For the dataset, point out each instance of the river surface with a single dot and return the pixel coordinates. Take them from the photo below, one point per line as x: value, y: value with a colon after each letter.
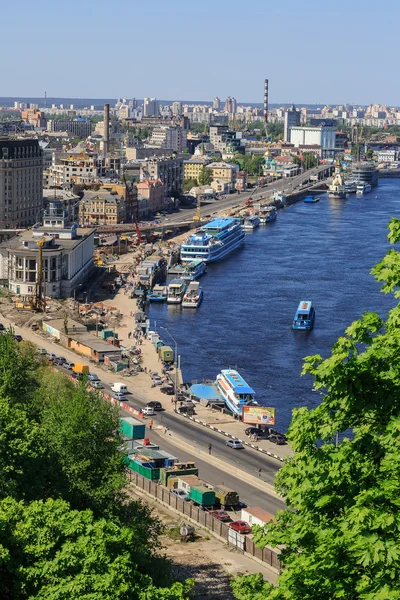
x: 321, y: 252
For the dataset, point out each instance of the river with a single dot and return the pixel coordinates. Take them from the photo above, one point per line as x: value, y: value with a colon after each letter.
x: 321, y: 252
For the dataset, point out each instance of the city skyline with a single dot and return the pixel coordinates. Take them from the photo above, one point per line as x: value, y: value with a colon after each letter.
x: 293, y: 49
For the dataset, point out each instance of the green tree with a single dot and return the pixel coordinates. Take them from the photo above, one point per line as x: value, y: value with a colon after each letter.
x: 340, y: 534
x: 370, y: 154
x: 188, y: 184
x: 50, y: 552
x: 205, y: 176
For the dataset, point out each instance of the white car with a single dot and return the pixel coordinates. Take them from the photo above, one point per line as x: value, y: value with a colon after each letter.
x: 181, y: 494
x: 119, y: 396
x: 148, y: 411
x: 96, y: 384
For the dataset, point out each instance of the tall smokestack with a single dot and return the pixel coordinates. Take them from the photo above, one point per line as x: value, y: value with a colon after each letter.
x: 266, y: 103
x: 106, y: 135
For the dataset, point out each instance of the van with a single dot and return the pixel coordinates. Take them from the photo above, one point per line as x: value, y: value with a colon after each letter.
x: 80, y: 368
x: 120, y: 388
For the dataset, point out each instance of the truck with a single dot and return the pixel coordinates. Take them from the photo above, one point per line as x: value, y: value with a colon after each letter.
x: 203, y: 496
x: 226, y: 497
x: 120, y: 388
x: 80, y: 368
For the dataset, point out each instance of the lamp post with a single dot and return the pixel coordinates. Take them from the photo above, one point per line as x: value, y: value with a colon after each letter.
x: 176, y: 363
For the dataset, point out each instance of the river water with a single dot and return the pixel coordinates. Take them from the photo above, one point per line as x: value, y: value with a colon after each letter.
x: 321, y: 252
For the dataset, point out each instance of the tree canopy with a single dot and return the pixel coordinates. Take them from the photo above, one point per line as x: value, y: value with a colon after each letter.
x: 205, y: 176
x: 340, y: 536
x: 67, y: 529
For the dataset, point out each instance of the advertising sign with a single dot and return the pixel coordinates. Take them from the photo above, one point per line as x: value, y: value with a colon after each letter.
x: 258, y: 415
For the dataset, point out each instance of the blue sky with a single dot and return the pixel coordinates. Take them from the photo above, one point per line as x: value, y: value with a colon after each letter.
x: 196, y: 49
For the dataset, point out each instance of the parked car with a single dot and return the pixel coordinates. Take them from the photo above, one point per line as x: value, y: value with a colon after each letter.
x: 97, y: 385
x: 167, y: 389
x: 157, y: 380
x: 17, y: 337
x: 51, y: 357
x: 221, y: 515
x: 181, y: 494
x: 42, y: 351
x: 56, y: 361
x: 235, y: 444
x: 119, y: 396
x: 155, y: 405
x: 253, y: 431
x: 240, y: 526
x: 93, y: 377
x: 2, y: 328
x: 62, y: 360
x: 277, y: 439
x: 68, y: 365
x: 148, y: 411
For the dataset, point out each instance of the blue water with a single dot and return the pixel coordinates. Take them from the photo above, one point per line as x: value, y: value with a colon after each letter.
x: 321, y: 252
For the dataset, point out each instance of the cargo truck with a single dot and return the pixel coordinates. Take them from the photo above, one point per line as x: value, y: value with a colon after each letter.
x: 203, y: 496
x: 226, y: 497
x: 80, y: 368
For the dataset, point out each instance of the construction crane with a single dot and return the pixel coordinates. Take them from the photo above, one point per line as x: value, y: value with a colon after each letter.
x: 38, y: 300
x: 134, y: 219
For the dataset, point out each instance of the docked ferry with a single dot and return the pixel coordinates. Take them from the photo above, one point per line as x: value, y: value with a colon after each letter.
x: 193, y: 296
x: 176, y: 291
x: 363, y: 188
x: 304, y: 317
x: 235, y: 391
x: 251, y: 222
x: 267, y: 214
x: 213, y: 241
x: 194, y: 269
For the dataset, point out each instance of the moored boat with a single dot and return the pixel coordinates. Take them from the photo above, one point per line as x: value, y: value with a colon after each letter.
x: 159, y: 293
x: 213, y: 241
x: 193, y: 295
x: 304, y: 317
x: 363, y: 188
x: 235, y: 391
x: 311, y: 199
x: 176, y: 291
x: 251, y: 222
x: 194, y: 269
x: 267, y: 214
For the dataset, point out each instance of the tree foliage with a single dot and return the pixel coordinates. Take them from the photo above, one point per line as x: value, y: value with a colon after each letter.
x: 340, y: 534
x: 205, y: 176
x: 67, y: 530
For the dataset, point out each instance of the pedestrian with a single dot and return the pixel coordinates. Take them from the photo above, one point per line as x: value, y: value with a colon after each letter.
x: 259, y: 472
x: 151, y: 424
x: 209, y: 448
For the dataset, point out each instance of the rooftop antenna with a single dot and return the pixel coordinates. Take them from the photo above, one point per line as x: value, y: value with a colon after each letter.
x: 45, y: 99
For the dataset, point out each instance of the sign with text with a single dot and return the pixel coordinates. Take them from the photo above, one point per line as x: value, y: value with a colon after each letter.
x: 258, y: 415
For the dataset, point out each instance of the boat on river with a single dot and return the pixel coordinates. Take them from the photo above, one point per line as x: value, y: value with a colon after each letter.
x: 194, y: 269
x: 304, y: 317
x: 312, y: 199
x: 363, y: 188
x: 267, y: 214
x: 213, y: 241
x: 251, y: 222
x: 159, y: 293
x: 176, y: 291
x: 235, y: 391
x: 193, y: 296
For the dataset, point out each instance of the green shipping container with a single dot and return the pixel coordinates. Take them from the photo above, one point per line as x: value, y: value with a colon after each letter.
x: 152, y: 474
x: 202, y: 495
x: 132, y: 428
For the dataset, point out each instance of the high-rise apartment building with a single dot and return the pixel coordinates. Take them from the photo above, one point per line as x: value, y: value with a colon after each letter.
x: 170, y: 138
x: 177, y: 109
x: 292, y: 119
x: 217, y: 103
x: 21, y: 182
x: 150, y: 107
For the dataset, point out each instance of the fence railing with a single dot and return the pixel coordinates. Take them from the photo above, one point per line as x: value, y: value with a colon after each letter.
x: 267, y: 555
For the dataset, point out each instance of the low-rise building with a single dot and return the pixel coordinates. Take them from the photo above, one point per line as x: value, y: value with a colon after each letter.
x: 67, y: 254
x: 167, y: 168
x: 241, y: 180
x: 386, y: 156
x: 193, y: 166
x: 78, y: 127
x: 150, y: 197
x: 102, y: 208
x: 224, y: 172
x: 35, y: 117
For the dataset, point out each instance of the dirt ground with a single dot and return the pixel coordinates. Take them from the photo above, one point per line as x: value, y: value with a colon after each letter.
x: 210, y: 562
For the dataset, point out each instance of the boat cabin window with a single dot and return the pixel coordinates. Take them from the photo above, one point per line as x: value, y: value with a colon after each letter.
x: 303, y: 317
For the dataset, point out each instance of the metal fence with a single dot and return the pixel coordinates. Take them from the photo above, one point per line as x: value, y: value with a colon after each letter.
x: 242, y: 542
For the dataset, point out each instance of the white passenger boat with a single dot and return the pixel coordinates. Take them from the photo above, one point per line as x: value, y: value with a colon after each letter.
x: 194, y: 269
x: 213, y: 241
x: 193, y: 296
x: 363, y: 188
x: 251, y: 222
x: 176, y: 291
x: 351, y: 187
x: 158, y: 294
x: 267, y: 214
x: 235, y: 391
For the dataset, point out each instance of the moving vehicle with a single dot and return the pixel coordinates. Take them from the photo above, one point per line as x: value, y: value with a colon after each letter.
x: 213, y: 241
x: 167, y: 389
x: 148, y: 411
x: 176, y: 291
x: 221, y: 515
x: 93, y: 377
x: 235, y: 391
x: 240, y: 526
x: 118, y: 396
x: 155, y: 405
x: 235, y: 444
x: 304, y: 317
x: 119, y: 388
x: 311, y: 199
x: 193, y: 296
x: 81, y: 368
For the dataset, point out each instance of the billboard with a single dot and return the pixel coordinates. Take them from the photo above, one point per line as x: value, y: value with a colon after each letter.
x: 258, y: 415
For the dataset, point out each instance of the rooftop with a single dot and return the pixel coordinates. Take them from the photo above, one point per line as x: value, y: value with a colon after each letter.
x: 18, y: 241
x: 260, y: 513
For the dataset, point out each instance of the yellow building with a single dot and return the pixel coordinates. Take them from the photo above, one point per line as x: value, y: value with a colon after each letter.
x: 224, y: 172
x: 102, y: 209
x: 192, y: 167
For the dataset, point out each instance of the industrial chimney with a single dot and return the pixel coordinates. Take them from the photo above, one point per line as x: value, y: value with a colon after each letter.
x: 106, y: 134
x: 266, y: 103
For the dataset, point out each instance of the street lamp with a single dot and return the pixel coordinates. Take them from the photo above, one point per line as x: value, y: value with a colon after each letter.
x: 176, y: 363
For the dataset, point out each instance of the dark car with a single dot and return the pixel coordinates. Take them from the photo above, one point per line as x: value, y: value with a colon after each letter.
x: 167, y: 389
x: 155, y: 405
x: 277, y: 439
x: 2, y: 328
x: 17, y: 337
x: 221, y: 515
x: 253, y: 431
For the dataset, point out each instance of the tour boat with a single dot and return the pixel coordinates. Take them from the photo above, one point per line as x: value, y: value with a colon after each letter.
x: 194, y: 269
x: 363, y: 188
x: 251, y: 222
x: 235, y: 391
x: 176, y: 291
x: 213, y: 241
x: 304, y: 317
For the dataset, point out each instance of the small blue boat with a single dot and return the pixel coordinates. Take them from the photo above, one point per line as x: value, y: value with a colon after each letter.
x: 304, y: 317
x: 158, y: 294
x: 311, y: 199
